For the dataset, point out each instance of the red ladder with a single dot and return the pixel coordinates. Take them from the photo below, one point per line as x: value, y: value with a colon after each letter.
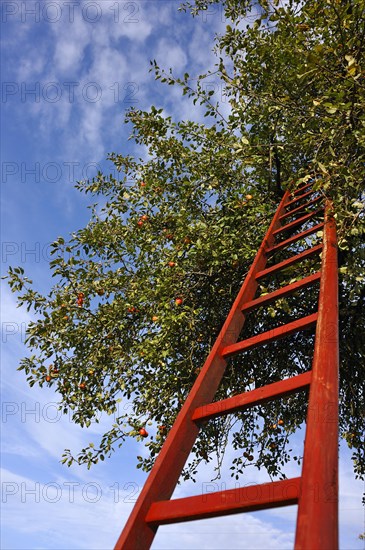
x: 316, y: 491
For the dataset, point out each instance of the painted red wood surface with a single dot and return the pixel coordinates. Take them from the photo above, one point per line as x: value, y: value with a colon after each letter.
x: 302, y: 187
x: 270, y: 335
x: 298, y: 221
x: 317, y: 524
x: 290, y: 261
x: 295, y: 238
x: 301, y: 208
x: 222, y: 503
x: 297, y: 199
x: 282, y: 292
x: 257, y: 397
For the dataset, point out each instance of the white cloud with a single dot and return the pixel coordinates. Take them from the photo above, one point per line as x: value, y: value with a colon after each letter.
x: 233, y: 532
x: 31, y: 66
x: 133, y: 28
x: 170, y: 54
x: 71, y: 40
x: 61, y: 514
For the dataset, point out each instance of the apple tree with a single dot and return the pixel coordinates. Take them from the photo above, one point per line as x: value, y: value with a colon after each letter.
x: 141, y: 292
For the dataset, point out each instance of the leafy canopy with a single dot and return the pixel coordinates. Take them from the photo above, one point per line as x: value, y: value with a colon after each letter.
x: 143, y: 289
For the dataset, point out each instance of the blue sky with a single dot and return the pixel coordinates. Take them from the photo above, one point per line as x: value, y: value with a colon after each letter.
x: 69, y: 72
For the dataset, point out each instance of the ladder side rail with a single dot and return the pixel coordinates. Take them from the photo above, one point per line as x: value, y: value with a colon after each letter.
x: 162, y: 480
x: 317, y: 523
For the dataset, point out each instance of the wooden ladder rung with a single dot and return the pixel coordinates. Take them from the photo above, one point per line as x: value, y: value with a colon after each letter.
x: 281, y: 292
x: 301, y: 189
x: 222, y: 503
x: 299, y: 198
x: 270, y: 335
x: 289, y: 261
x: 299, y: 208
x: 254, y: 397
x: 295, y: 238
x: 298, y: 221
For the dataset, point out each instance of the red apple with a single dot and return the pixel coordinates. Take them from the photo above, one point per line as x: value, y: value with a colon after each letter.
x: 143, y: 432
x: 172, y: 264
x: 178, y: 301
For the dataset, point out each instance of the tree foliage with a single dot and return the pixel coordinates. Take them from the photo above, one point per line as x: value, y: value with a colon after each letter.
x: 185, y: 223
